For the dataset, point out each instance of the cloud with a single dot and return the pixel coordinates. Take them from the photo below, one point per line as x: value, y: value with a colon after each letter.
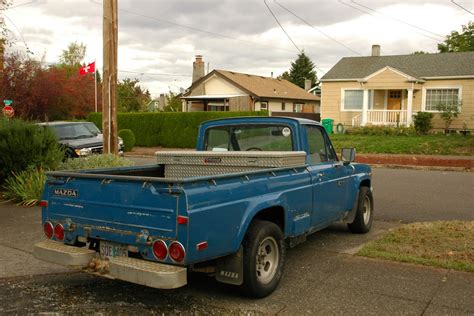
x: 163, y: 36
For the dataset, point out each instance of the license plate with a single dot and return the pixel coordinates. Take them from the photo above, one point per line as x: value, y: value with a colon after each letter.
x: 110, y: 249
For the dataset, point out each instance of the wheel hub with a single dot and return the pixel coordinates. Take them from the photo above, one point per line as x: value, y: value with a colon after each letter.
x: 267, y: 259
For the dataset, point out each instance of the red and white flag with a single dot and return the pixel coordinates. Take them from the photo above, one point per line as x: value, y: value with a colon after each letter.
x: 87, y: 69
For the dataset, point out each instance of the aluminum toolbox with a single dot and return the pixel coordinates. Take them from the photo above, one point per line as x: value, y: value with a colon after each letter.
x: 184, y: 164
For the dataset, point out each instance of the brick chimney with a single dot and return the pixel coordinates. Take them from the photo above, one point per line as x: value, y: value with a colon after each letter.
x: 198, y: 68
x: 307, y: 84
x: 375, y: 50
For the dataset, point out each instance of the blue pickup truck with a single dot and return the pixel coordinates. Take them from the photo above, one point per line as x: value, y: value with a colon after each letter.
x: 254, y: 187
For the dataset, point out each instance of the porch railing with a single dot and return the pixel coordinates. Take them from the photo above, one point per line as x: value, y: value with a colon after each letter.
x: 382, y: 117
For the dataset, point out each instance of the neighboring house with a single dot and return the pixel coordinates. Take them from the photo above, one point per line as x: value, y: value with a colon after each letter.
x: 222, y: 90
x: 388, y: 90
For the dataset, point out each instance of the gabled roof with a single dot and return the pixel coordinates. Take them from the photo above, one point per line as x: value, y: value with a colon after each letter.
x: 422, y: 66
x: 259, y: 86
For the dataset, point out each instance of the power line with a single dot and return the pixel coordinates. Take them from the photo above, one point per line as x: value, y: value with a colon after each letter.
x: 317, y: 29
x: 23, y: 4
x: 398, y: 20
x: 368, y: 13
x: 457, y: 4
x: 198, y: 29
x: 281, y: 26
x: 19, y: 32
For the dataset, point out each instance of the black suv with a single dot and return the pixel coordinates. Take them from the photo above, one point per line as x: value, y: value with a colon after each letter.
x: 79, y: 139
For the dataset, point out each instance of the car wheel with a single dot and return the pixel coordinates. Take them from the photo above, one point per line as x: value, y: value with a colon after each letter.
x: 365, y: 212
x: 264, y: 253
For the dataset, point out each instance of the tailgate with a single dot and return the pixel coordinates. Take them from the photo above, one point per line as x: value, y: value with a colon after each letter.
x: 116, y: 210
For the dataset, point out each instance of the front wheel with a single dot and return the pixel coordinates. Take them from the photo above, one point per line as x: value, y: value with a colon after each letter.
x: 264, y: 253
x: 364, y: 214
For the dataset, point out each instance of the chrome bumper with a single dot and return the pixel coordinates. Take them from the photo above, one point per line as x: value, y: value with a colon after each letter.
x: 152, y: 274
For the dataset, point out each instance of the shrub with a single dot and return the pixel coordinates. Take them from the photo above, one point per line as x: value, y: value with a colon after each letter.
x: 422, y: 122
x: 167, y: 129
x: 25, y: 187
x: 448, y: 112
x: 95, y: 162
x: 382, y: 130
x: 128, y: 139
x: 24, y: 144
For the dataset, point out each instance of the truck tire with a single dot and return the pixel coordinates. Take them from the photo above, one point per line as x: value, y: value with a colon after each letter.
x: 264, y: 254
x: 364, y: 214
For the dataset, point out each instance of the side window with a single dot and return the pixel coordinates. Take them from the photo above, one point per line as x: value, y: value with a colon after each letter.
x: 330, y: 151
x: 317, y: 145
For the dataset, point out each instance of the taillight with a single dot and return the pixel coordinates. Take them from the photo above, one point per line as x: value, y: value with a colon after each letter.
x: 44, y: 203
x: 48, y: 229
x: 160, y: 250
x: 59, y: 232
x: 177, y: 252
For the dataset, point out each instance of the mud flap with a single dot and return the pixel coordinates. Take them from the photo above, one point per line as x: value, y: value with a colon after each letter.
x: 230, y: 269
x: 350, y: 217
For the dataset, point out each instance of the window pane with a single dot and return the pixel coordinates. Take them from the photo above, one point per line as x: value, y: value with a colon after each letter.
x: 353, y: 99
x: 250, y: 137
x: 317, y: 146
x: 436, y: 97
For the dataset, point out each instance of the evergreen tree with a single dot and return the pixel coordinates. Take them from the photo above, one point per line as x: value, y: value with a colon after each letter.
x: 302, y: 68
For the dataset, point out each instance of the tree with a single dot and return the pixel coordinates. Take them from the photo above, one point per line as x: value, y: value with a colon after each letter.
x: 459, y: 42
x: 302, y: 68
x: 73, y: 55
x: 131, y: 97
x: 173, y: 103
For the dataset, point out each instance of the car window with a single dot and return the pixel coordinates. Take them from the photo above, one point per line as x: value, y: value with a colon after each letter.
x: 317, y: 145
x: 252, y: 137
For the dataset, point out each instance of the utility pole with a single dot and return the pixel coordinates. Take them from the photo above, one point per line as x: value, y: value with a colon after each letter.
x: 109, y: 86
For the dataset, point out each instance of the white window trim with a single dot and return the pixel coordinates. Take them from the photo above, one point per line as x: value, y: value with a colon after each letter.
x: 343, y: 95
x: 423, y: 95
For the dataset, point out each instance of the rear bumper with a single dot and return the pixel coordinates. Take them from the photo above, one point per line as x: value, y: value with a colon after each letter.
x: 152, y: 274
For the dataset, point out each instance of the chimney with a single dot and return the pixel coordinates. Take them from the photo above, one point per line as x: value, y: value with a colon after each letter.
x: 198, y: 68
x: 307, y: 84
x: 162, y: 101
x: 375, y: 50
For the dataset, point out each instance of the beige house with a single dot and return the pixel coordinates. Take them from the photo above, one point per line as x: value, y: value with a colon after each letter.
x: 222, y: 90
x: 388, y: 90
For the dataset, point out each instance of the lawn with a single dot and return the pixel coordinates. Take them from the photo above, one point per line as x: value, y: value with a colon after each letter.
x: 422, y: 144
x: 445, y: 244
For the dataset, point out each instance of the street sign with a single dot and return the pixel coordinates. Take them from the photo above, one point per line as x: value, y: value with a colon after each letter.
x: 8, y: 111
x: 8, y: 102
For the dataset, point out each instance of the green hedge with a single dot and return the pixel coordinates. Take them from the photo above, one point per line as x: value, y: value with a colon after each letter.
x: 167, y: 129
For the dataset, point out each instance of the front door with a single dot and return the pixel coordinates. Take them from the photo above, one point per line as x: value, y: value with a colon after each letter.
x: 394, y: 101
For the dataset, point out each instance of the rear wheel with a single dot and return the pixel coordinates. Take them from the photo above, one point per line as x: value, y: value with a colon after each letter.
x: 365, y: 212
x: 264, y: 253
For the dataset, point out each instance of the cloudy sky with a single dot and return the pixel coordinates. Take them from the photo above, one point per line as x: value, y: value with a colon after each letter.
x: 159, y: 38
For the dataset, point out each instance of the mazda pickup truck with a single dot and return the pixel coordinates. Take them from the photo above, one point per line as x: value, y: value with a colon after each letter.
x: 253, y: 187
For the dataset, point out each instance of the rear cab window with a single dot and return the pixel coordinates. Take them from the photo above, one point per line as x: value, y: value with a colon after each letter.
x: 254, y: 137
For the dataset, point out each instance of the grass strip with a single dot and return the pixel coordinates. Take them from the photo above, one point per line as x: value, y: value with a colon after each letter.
x: 444, y: 244
x: 414, y: 144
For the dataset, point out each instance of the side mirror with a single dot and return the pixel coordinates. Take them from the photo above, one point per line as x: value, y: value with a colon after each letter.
x: 348, y: 155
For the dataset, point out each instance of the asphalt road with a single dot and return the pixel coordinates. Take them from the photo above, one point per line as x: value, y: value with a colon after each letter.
x: 410, y: 195
x: 322, y: 275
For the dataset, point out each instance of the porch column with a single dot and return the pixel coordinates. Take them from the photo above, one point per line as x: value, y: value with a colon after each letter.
x: 409, y: 107
x: 365, y: 107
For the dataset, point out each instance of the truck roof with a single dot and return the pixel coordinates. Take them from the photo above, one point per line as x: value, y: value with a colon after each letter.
x: 270, y: 118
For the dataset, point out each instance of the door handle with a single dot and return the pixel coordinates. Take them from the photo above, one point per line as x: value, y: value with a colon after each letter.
x: 320, y: 174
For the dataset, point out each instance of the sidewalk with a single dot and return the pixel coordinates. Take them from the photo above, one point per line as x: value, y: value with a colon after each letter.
x: 322, y: 276
x: 437, y: 161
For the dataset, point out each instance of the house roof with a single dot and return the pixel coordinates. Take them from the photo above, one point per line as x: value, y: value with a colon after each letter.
x: 260, y: 86
x: 423, y: 66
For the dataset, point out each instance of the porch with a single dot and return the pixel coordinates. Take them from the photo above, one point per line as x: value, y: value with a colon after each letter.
x: 392, y: 107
